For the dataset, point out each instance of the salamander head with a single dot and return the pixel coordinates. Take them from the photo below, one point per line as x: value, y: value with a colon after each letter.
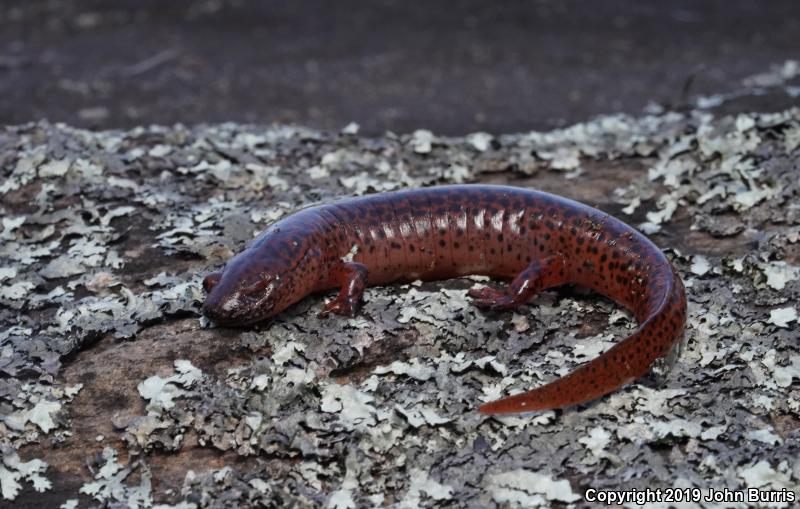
x: 237, y: 297
x: 257, y: 284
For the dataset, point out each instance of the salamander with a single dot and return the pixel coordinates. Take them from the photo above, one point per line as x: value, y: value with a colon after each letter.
x: 536, y: 239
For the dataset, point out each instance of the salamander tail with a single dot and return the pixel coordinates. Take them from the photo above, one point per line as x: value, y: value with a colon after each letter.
x: 623, y: 363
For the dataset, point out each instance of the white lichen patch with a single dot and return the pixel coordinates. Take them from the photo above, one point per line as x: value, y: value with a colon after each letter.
x: 36, y: 410
x: 700, y: 265
x: 414, y: 369
x: 352, y: 406
x: 480, y: 141
x: 13, y: 470
x: 422, y: 141
x: 525, y: 488
x: 423, y: 486
x: 782, y: 317
x: 762, y: 475
x: 417, y: 417
x: 160, y: 392
x: 109, y: 485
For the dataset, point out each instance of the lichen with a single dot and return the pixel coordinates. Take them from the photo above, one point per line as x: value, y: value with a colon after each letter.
x: 107, y: 235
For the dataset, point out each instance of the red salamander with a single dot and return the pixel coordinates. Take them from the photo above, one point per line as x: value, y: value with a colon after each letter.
x: 536, y: 239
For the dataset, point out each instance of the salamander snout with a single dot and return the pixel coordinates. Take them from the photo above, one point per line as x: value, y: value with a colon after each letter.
x: 232, y: 301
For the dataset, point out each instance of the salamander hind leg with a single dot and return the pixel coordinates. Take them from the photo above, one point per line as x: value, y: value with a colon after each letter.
x: 537, y: 276
x: 352, y: 279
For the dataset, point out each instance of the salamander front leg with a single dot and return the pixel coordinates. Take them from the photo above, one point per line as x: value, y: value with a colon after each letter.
x: 539, y: 275
x: 352, y: 279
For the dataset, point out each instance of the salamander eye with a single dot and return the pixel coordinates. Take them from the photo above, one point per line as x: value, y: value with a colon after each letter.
x: 258, y: 287
x: 210, y: 281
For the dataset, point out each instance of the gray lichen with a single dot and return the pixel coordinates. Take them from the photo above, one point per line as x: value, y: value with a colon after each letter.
x: 106, y: 234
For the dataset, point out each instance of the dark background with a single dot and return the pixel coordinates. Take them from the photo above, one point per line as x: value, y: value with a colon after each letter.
x: 453, y: 67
